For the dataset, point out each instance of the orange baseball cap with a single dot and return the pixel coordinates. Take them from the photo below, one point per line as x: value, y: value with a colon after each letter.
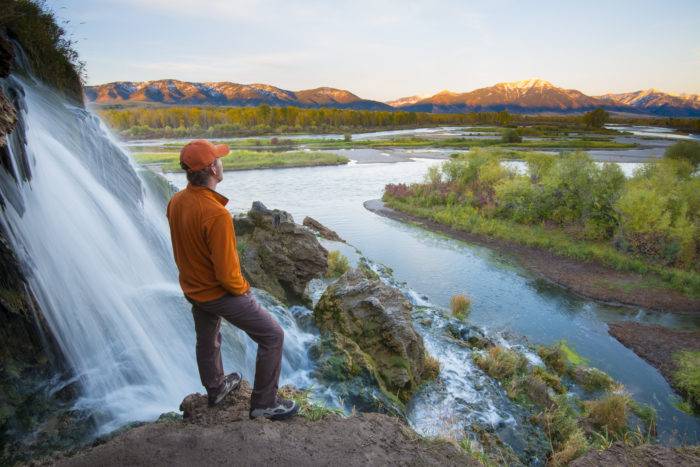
x: 200, y: 153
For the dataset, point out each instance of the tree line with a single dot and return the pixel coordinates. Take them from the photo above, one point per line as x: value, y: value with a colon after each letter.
x: 186, y: 121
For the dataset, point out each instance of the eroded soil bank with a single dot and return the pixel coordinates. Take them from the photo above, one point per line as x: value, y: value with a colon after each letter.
x: 588, y: 279
x: 224, y: 435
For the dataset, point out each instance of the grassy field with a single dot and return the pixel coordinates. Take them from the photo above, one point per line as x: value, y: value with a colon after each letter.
x: 413, y: 142
x: 247, y: 160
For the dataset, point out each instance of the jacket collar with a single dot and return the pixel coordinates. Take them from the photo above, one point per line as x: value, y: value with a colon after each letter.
x: 206, y: 191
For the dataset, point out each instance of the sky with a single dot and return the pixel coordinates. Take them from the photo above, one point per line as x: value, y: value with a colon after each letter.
x: 385, y: 49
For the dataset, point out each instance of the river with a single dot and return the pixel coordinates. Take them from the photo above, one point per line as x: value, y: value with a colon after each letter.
x: 505, y: 298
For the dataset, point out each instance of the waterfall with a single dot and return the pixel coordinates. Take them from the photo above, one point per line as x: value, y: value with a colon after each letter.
x: 93, y: 239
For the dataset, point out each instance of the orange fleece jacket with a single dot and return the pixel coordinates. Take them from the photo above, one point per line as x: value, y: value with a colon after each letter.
x: 204, y: 244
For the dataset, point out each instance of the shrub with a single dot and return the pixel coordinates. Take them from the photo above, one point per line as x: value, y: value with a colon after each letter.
x: 337, y: 264
x: 685, y: 150
x: 433, y: 176
x: 517, y: 199
x: 501, y: 363
x: 596, y: 118
x: 511, y: 135
x: 609, y: 413
x: 398, y: 190
x: 568, y: 188
x: 539, y: 164
x: 592, y: 379
x: 687, y: 376
x: 460, y: 305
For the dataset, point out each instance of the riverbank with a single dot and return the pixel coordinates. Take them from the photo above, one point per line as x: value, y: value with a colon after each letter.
x: 224, y: 434
x: 673, y: 352
x: 588, y: 279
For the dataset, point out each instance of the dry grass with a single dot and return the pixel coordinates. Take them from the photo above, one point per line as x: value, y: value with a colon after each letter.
x: 501, y: 363
x: 460, y: 304
x: 609, y: 413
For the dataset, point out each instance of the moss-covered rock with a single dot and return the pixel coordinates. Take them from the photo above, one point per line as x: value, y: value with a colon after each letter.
x: 352, y: 374
x: 377, y: 318
x: 278, y: 255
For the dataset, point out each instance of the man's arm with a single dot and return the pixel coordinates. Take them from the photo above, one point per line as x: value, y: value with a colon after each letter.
x: 224, y: 256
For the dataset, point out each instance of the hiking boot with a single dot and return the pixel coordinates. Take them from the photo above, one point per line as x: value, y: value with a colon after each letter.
x: 282, y: 409
x: 231, y: 382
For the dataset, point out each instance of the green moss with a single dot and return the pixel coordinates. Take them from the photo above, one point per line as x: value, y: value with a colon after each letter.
x: 312, y: 411
x: 560, y: 357
x: 366, y: 269
x: 13, y: 299
x: 399, y: 362
x: 571, y: 355
x: 687, y: 376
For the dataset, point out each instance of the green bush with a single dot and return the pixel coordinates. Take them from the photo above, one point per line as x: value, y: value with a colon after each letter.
x: 658, y: 214
x: 685, y: 150
x: 539, y: 164
x: 511, y: 135
x: 338, y: 264
x: 518, y: 200
x: 687, y: 376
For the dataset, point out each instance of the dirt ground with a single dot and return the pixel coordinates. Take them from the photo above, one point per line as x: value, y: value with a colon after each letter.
x: 588, y: 279
x: 225, y: 435
x: 655, y: 344
x: 647, y: 454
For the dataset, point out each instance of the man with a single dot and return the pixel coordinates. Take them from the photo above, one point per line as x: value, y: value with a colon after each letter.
x: 204, y: 245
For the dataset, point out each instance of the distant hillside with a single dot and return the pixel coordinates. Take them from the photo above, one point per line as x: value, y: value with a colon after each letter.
x: 657, y: 102
x: 528, y: 96
x: 175, y: 92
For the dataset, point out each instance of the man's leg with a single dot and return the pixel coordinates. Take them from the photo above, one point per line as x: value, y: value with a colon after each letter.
x: 244, y: 312
x: 211, y: 368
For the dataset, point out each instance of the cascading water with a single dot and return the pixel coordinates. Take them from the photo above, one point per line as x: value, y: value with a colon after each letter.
x: 91, y: 233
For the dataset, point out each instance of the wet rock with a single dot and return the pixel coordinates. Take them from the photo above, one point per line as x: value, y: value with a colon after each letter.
x: 377, y: 318
x: 278, y: 255
x: 472, y: 336
x: 352, y: 375
x: 322, y: 230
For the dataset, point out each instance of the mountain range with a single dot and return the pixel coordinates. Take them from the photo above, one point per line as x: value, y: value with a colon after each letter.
x: 171, y: 91
x: 527, y: 96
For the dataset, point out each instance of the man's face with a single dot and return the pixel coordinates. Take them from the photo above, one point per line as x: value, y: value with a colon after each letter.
x: 218, y: 170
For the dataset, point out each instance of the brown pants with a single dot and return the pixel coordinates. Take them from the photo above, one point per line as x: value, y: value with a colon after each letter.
x: 244, y: 312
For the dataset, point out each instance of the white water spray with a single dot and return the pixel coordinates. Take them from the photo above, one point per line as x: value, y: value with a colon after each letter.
x: 94, y: 241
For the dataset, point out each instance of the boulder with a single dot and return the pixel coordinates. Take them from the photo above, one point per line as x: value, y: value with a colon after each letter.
x: 321, y: 229
x: 377, y: 318
x: 277, y: 254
